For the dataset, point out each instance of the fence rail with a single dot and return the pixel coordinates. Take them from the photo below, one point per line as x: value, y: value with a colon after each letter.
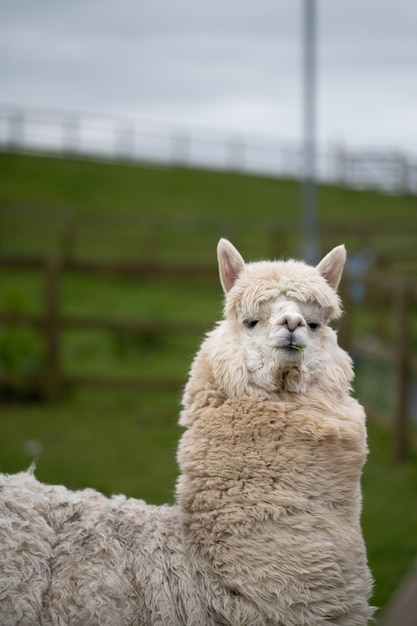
x: 401, y: 295
x: 52, y: 322
x: 77, y: 134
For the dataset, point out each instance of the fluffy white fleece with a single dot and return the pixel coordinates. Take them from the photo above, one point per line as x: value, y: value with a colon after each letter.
x: 266, y: 530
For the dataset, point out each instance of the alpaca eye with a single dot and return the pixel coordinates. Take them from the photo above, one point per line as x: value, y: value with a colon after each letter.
x: 250, y: 323
x: 313, y: 325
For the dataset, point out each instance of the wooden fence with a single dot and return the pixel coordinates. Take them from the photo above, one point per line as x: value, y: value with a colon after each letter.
x: 391, y: 301
x: 52, y: 321
x: 384, y: 293
x: 86, y: 135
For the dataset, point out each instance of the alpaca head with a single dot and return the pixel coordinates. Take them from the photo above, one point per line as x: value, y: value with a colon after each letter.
x: 275, y: 336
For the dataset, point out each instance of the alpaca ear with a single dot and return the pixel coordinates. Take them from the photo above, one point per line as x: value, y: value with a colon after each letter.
x: 230, y: 264
x: 331, y: 266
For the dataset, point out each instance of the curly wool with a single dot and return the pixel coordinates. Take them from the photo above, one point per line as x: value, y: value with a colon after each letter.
x: 266, y: 531
x: 273, y: 540
x: 76, y: 557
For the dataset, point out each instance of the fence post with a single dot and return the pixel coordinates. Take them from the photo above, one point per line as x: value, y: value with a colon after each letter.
x: 401, y: 372
x: 52, y: 378
x: 404, y: 185
x: 180, y: 149
x: 235, y: 155
x: 16, y: 129
x: 125, y: 142
x: 71, y: 134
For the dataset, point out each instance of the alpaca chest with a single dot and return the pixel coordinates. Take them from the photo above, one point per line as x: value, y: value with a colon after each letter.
x: 271, y: 457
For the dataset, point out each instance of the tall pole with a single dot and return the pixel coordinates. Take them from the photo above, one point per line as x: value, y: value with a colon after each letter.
x: 308, y: 185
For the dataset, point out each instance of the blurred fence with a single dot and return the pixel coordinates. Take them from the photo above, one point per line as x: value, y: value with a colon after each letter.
x: 83, y: 135
x: 52, y: 322
x: 383, y: 349
x: 391, y: 349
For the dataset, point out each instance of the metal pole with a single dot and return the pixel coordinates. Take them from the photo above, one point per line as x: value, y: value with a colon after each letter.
x: 308, y: 186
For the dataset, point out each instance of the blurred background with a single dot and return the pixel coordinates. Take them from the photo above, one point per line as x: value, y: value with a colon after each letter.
x: 132, y: 137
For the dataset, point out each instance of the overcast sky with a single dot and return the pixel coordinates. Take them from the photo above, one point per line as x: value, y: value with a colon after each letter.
x: 228, y: 65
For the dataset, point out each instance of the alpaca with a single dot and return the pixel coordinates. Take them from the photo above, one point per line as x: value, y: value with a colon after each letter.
x: 266, y: 529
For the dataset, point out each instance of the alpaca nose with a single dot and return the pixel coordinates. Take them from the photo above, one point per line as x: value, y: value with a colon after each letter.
x: 291, y: 321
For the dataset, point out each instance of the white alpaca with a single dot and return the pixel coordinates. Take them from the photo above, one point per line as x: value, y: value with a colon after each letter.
x: 266, y: 530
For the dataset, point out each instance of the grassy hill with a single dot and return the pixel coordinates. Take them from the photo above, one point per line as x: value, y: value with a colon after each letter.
x: 128, y: 211
x: 125, y: 441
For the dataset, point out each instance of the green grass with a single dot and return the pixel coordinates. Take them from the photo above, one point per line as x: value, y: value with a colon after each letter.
x: 125, y: 211
x: 124, y: 441
x: 389, y: 514
x: 117, y: 442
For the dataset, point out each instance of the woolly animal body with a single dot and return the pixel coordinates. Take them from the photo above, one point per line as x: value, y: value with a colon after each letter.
x: 267, y: 526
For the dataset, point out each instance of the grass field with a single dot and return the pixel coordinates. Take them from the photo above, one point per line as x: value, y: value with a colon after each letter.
x: 125, y: 442
x: 124, y: 211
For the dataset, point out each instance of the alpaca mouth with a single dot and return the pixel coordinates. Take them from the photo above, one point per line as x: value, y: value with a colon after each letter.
x: 293, y: 353
x: 294, y: 346
x: 291, y: 348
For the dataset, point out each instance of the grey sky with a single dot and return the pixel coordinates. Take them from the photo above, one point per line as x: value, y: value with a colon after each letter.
x: 229, y: 65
